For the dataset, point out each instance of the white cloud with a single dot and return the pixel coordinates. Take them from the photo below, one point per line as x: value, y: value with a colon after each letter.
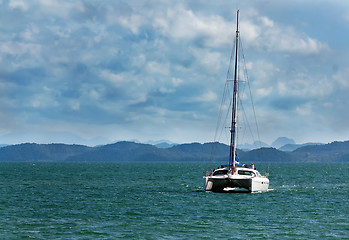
x: 262, y: 32
x: 139, y: 60
x: 116, y: 79
x: 62, y: 32
x: 211, y: 61
x: 154, y: 67
x: 29, y: 34
x: 42, y: 100
x: 60, y: 8
x: 304, y: 110
x: 74, y: 104
x: 267, y: 22
x: 26, y: 53
x: 183, y: 24
x: 305, y: 85
x: 342, y: 78
x: 166, y: 90
x: 264, y: 92
x: 133, y: 22
x: 20, y: 4
x: 208, y: 96
x: 176, y: 81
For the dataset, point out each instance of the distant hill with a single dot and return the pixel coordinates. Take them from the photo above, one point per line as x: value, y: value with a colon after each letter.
x: 281, y: 141
x: 268, y: 155
x: 335, y: 151
x: 126, y: 151
x: 130, y: 151
x: 292, y: 147
x: 40, y: 152
x: 197, y: 151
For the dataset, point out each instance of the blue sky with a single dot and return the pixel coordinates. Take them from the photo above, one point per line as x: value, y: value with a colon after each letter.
x: 94, y: 72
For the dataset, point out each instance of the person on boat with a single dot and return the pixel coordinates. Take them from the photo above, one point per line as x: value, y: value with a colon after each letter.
x: 252, y: 165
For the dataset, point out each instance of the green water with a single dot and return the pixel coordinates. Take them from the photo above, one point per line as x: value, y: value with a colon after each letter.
x: 166, y: 201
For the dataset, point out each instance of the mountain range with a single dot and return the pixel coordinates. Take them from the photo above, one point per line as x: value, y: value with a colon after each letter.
x: 278, y: 143
x: 131, y: 151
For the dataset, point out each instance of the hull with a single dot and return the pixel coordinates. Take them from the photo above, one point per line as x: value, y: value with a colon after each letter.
x: 260, y: 184
x: 235, y: 182
x: 215, y: 184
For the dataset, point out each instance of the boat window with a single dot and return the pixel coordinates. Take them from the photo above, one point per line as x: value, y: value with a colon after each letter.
x: 243, y: 172
x: 220, y: 172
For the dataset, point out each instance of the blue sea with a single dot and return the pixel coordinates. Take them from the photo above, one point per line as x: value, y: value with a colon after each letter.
x: 162, y: 200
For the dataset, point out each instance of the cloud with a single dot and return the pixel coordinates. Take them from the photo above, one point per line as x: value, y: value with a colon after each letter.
x: 113, y: 78
x: 133, y: 22
x: 207, y: 96
x: 210, y: 61
x: 154, y: 67
x: 60, y: 9
x: 121, y: 68
x: 182, y: 24
x: 22, y: 5
x: 341, y: 79
x: 263, y: 33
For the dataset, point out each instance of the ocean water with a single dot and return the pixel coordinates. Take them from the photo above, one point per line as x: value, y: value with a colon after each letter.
x: 166, y: 201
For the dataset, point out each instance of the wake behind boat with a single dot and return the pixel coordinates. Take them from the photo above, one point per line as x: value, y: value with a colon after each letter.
x: 235, y: 176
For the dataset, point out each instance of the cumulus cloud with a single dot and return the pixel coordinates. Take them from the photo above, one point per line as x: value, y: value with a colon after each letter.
x: 263, y: 33
x: 98, y: 65
x: 22, y: 5
x: 133, y: 22
x: 341, y: 78
x: 181, y: 23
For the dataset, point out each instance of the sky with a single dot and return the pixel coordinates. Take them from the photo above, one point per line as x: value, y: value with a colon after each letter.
x: 94, y: 72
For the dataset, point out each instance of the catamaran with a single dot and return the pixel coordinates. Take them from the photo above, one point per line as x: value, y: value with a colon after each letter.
x: 235, y: 176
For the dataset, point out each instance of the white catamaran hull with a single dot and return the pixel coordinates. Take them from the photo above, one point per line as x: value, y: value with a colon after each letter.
x: 236, y: 182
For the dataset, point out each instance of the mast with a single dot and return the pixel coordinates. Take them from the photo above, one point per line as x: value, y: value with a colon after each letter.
x: 233, y: 133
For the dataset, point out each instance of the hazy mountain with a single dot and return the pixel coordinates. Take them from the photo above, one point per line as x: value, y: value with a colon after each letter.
x: 254, y: 145
x: 164, y: 145
x: 281, y: 141
x: 160, y: 142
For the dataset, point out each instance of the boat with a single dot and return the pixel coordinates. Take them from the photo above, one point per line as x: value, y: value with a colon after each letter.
x: 235, y: 177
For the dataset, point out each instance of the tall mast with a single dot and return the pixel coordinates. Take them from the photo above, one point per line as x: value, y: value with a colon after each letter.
x: 232, y: 158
